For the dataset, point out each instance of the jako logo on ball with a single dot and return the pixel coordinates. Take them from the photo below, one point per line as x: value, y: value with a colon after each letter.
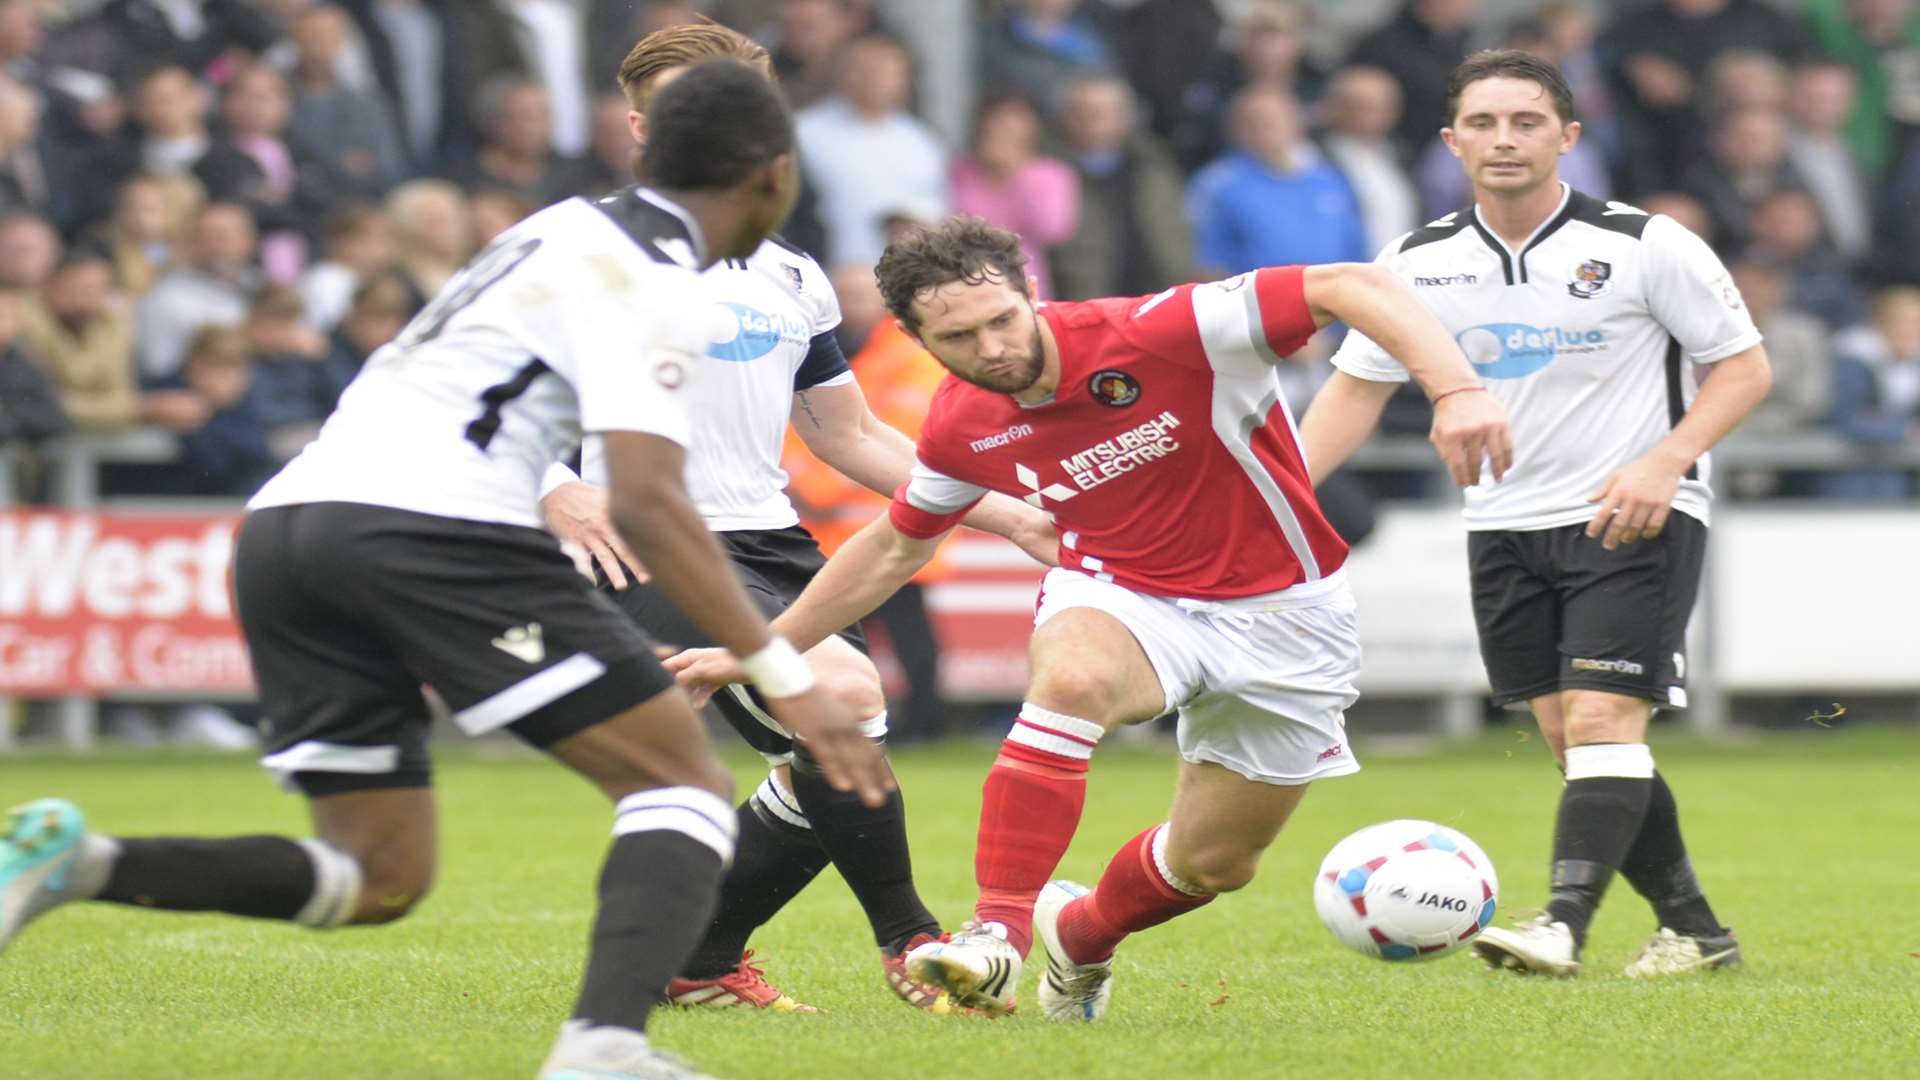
x: 1516, y: 350
x: 1406, y: 890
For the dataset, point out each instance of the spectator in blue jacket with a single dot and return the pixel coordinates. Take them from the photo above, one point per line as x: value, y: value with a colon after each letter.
x: 1273, y: 199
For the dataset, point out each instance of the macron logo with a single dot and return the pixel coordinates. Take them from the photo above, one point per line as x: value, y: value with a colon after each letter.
x: 991, y: 442
x: 522, y: 643
x: 1448, y: 279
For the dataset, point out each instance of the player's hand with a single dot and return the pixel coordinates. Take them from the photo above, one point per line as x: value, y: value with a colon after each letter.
x: 702, y: 671
x: 1469, y: 427
x: 1038, y: 538
x: 576, y: 512
x: 849, y: 760
x: 1635, y: 501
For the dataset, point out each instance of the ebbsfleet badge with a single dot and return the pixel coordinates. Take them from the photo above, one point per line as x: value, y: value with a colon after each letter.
x: 1590, y: 279
x: 1115, y: 388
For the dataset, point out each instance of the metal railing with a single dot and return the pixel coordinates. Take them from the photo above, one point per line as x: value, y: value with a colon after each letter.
x: 74, y: 462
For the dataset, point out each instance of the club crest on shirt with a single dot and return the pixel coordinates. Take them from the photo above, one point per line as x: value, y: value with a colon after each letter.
x: 793, y: 275
x: 1590, y: 279
x: 1115, y: 388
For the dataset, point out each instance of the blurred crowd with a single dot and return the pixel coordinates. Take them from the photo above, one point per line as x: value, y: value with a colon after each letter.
x: 212, y: 211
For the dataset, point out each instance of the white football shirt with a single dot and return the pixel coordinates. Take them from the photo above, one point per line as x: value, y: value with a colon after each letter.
x: 574, y: 320
x: 768, y: 334
x: 1588, y: 335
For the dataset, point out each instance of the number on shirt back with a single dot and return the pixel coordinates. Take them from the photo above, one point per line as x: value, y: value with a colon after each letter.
x: 483, y: 273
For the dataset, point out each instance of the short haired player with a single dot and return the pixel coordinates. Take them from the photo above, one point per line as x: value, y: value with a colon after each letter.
x: 403, y: 547
x: 1196, y: 574
x: 1591, y: 321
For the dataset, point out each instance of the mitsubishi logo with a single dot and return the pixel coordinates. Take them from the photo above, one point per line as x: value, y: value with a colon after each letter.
x: 1036, y: 495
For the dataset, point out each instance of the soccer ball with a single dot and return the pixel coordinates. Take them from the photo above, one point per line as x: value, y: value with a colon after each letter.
x: 1406, y: 890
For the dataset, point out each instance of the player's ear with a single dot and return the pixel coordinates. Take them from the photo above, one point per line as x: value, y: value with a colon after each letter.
x: 1570, y: 136
x: 1446, y: 136
x: 783, y: 172
x: 637, y: 127
x: 1033, y: 287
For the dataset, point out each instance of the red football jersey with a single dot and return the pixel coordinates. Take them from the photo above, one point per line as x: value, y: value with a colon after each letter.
x: 1167, y: 455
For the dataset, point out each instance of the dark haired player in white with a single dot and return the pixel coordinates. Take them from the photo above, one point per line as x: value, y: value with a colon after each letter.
x: 404, y: 547
x: 1589, y: 321
x: 1197, y: 574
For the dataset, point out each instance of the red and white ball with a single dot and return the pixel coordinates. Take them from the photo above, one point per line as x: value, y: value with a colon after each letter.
x: 1406, y: 890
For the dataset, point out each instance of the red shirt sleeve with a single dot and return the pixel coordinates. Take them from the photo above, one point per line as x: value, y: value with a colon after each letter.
x: 1285, y: 317
x: 921, y: 524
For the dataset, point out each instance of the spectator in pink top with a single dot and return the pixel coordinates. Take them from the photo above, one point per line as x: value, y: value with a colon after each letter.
x: 1004, y: 179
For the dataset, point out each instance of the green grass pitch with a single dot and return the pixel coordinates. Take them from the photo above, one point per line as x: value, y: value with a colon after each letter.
x: 1806, y: 844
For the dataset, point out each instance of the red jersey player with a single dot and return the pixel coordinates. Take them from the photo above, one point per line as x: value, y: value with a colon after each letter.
x: 1196, y: 572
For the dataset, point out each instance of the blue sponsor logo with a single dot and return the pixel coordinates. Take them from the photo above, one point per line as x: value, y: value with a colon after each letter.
x: 757, y: 333
x: 1516, y: 350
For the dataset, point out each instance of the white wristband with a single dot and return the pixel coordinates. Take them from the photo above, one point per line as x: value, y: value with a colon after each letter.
x: 778, y: 670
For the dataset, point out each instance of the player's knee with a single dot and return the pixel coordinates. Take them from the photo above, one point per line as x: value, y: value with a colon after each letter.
x: 1589, y: 718
x: 855, y: 686
x: 1074, y: 692
x: 708, y: 775
x: 630, y: 769
x: 1214, y: 869
x: 392, y: 885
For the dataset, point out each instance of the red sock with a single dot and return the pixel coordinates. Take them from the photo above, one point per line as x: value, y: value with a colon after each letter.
x: 1135, y: 892
x: 1030, y: 808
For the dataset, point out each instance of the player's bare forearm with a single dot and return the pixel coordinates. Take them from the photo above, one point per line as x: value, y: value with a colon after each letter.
x: 837, y: 425
x: 1732, y: 389
x: 1374, y: 301
x: 1342, y: 416
x: 650, y: 508
x: 872, y: 565
x: 1469, y: 427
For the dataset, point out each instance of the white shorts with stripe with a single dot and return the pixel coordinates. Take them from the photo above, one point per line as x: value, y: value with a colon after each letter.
x: 1262, y: 683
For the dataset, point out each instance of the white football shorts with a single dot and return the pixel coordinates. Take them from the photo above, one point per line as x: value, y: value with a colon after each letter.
x: 1261, y: 683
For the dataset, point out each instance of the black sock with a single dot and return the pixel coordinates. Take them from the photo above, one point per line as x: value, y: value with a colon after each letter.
x: 772, y: 861
x: 657, y: 893
x: 1658, y: 868
x: 868, y: 846
x: 266, y: 877
x: 1599, y: 818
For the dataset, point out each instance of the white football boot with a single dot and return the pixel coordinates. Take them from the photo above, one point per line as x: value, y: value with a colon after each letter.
x: 1539, y: 946
x: 976, y: 967
x: 1068, y: 991
x: 1671, y: 953
x: 586, y: 1052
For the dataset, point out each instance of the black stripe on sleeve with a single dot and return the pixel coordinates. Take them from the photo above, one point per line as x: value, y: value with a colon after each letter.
x: 1676, y: 398
x: 824, y: 361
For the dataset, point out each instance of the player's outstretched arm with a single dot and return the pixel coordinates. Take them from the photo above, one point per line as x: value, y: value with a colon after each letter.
x: 872, y: 565
x: 838, y: 426
x: 1344, y: 413
x: 1468, y: 425
x: 651, y: 509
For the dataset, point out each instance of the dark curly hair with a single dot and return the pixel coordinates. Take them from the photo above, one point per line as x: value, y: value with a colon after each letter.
x: 965, y: 249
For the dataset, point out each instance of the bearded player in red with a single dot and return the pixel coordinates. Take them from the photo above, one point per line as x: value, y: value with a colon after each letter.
x: 1196, y: 572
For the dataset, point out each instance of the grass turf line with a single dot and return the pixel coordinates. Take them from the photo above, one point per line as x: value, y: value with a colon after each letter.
x: 1804, y: 844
